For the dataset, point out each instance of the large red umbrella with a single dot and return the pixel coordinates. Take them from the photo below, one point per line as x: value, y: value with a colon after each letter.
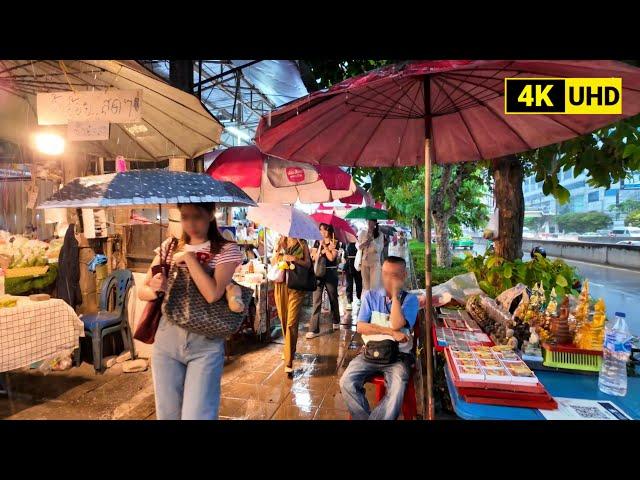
x: 359, y: 196
x: 422, y: 111
x: 343, y: 231
x: 273, y: 180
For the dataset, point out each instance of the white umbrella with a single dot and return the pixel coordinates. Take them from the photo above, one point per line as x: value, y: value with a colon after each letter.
x: 285, y: 220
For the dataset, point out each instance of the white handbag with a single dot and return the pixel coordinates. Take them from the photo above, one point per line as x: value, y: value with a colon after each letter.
x: 357, y: 262
x: 275, y: 275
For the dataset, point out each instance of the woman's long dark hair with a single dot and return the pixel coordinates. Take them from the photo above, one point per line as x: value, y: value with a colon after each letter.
x: 376, y: 231
x: 329, y: 228
x: 213, y: 234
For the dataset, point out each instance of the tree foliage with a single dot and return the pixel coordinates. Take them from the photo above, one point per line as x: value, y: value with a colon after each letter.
x: 607, y: 155
x: 584, y: 222
x: 633, y: 219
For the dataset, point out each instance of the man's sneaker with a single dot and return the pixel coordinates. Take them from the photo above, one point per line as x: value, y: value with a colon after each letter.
x: 311, y: 335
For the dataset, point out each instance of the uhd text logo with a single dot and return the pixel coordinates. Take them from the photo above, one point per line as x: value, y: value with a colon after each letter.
x: 563, y: 95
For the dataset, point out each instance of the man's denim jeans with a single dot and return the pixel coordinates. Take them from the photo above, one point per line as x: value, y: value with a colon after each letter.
x: 352, y: 383
x: 187, y: 369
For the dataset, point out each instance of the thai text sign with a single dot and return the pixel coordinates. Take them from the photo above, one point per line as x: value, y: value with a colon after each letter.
x: 113, y: 106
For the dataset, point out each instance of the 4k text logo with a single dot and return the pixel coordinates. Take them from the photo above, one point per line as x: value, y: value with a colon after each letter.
x: 563, y: 95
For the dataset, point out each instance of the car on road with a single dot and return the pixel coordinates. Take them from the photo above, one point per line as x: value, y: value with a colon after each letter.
x: 625, y: 232
x: 632, y: 243
x: 590, y: 234
x: 464, y: 243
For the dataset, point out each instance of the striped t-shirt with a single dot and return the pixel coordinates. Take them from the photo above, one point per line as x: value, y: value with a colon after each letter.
x: 230, y: 253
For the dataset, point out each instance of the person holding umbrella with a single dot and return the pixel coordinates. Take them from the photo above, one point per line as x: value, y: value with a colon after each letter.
x: 325, y: 251
x: 187, y: 367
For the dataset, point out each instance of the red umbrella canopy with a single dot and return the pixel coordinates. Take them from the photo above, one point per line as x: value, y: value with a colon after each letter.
x: 359, y: 196
x: 334, y: 177
x: 381, y: 118
x: 270, y: 179
x: 344, y: 232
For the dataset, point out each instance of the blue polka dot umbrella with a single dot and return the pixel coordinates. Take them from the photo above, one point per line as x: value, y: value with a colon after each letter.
x: 146, y: 188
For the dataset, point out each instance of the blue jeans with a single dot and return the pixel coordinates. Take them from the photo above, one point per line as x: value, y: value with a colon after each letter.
x: 187, y: 369
x: 352, y: 383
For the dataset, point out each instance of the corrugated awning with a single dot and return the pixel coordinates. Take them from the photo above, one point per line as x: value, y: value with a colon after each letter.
x: 174, y: 123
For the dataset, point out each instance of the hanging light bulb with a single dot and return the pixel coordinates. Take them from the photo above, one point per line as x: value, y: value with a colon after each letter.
x: 49, y: 143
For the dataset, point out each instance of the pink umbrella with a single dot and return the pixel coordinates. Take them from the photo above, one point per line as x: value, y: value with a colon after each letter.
x: 344, y: 232
x: 272, y: 180
x: 359, y: 196
x: 422, y: 111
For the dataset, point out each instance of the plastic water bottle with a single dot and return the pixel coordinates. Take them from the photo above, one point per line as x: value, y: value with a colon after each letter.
x: 615, y: 353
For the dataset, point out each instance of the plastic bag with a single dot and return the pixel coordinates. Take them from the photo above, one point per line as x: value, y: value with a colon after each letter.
x: 357, y: 262
x: 57, y: 362
x: 458, y: 288
x: 492, y: 230
x: 275, y: 274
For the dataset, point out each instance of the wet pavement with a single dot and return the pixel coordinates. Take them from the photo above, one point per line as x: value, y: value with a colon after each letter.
x: 254, y: 385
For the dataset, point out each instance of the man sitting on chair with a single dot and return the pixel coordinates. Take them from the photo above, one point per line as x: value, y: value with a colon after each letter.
x: 386, y: 318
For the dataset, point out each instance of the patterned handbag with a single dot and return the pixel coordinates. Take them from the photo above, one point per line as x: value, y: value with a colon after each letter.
x: 186, y: 307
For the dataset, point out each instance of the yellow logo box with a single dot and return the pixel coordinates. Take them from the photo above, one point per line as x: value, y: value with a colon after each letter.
x: 576, y: 96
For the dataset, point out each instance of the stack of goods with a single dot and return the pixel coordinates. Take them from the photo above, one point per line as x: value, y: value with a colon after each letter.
x: 31, y: 264
x: 496, y: 375
x: 250, y: 274
x: 491, y: 317
x: 457, y: 328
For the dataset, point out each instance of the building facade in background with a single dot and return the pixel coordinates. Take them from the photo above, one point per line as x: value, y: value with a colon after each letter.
x: 584, y: 198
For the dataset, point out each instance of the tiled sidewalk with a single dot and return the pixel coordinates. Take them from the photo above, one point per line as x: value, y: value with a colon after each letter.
x: 254, y: 385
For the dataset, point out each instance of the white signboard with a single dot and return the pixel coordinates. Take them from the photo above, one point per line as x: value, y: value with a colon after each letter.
x: 579, y: 409
x: 84, y: 131
x: 94, y: 222
x: 114, y: 106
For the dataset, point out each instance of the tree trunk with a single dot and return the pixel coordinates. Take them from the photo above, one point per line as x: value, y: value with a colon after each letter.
x: 443, y: 252
x: 508, y: 175
x: 417, y: 229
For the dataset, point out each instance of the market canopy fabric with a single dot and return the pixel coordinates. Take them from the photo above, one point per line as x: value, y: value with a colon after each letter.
x: 381, y: 118
x: 146, y: 188
x: 174, y: 123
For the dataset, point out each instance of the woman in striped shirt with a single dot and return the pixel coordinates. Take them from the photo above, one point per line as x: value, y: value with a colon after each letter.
x: 186, y: 366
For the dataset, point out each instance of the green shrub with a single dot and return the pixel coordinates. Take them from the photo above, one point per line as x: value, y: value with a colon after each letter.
x: 495, y: 274
x: 438, y: 274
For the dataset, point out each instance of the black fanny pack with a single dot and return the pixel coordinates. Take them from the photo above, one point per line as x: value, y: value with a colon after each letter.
x: 381, y: 352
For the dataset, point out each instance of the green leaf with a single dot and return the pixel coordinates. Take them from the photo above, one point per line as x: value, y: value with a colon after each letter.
x: 560, y: 280
x: 507, y: 271
x: 562, y: 194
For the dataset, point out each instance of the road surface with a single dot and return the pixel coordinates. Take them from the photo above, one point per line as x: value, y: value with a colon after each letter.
x: 619, y: 287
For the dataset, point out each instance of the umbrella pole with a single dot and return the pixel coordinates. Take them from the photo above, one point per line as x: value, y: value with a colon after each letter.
x: 428, y: 150
x: 160, y: 222
x: 427, y: 275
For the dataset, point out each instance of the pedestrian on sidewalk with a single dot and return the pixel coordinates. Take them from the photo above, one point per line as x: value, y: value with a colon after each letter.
x: 370, y: 242
x: 186, y: 366
x: 352, y: 275
x: 289, y: 301
x: 325, y: 250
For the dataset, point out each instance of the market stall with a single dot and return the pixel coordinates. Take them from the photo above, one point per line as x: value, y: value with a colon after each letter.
x: 522, y: 356
x: 32, y: 331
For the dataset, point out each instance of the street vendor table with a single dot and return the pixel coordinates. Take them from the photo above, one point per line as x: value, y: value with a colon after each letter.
x: 558, y: 384
x: 33, y: 331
